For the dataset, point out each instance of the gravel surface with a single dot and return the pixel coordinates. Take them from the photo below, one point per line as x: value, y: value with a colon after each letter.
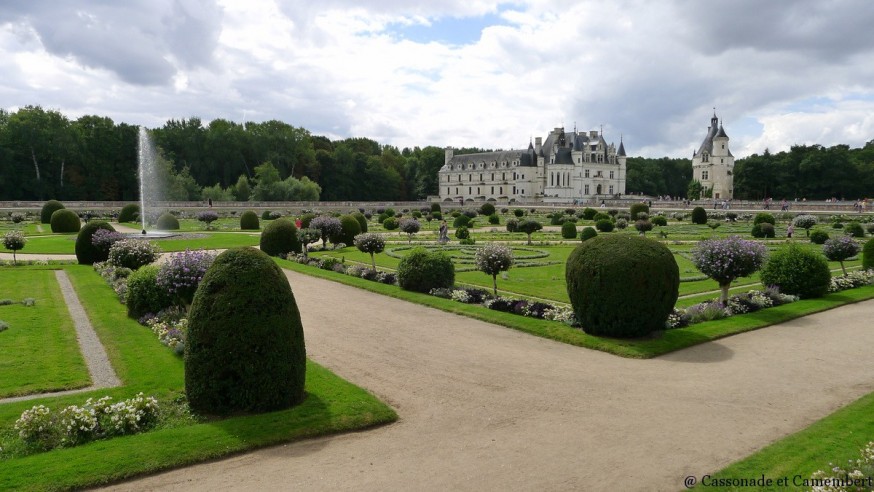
x: 484, y: 407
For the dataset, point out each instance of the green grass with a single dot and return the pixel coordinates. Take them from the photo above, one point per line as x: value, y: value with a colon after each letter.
x: 66, y: 243
x: 834, y: 439
x: 39, y: 350
x: 662, y: 343
x: 143, y: 364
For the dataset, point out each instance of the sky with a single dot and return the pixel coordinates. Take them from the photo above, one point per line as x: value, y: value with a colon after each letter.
x: 461, y: 73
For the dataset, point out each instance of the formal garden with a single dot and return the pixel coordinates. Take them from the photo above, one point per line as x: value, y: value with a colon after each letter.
x: 635, y: 282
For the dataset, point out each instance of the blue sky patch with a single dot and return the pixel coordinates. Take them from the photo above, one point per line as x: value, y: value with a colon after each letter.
x: 447, y: 30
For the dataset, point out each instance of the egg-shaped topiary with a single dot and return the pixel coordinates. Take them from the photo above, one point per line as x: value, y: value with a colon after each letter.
x: 86, y: 252
x: 588, y: 233
x: 868, y: 255
x: 637, y: 208
x: 699, y: 215
x: 818, y: 236
x: 249, y: 221
x: 569, y: 230
x: 797, y: 271
x: 279, y: 238
x: 422, y: 270
x: 129, y: 213
x: 349, y: 229
x: 65, y: 220
x: 48, y: 208
x: 167, y: 222
x: 245, y: 348
x: 622, y: 286
x: 362, y: 221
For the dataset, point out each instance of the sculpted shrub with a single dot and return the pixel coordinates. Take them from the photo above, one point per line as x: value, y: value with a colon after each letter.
x: 410, y: 227
x: 512, y: 225
x: 249, y: 221
x: 144, y: 295
x: 87, y: 253
x: 840, y: 249
x: 49, y: 208
x: 818, y: 236
x: 604, y: 225
x: 797, y: 271
x: 764, y: 217
x: 804, y: 222
x: 362, y: 221
x: 636, y: 209
x: 868, y: 255
x: 493, y: 259
x: 129, y: 213
x: 854, y: 229
x: 569, y: 230
x: 390, y: 223
x: 14, y: 241
x: 587, y: 233
x: 349, y: 228
x: 207, y: 217
x: 699, y: 215
x: 280, y: 238
x: 421, y: 271
x: 529, y: 227
x: 370, y: 243
x: 725, y: 260
x: 167, y: 222
x: 65, y: 220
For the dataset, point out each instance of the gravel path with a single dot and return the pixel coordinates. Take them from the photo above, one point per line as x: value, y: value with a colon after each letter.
x: 484, y: 407
x: 99, y: 368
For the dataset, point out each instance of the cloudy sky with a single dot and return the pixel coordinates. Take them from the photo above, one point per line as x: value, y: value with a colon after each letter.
x: 457, y: 72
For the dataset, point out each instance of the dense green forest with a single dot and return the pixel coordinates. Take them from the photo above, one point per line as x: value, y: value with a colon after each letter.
x: 43, y: 154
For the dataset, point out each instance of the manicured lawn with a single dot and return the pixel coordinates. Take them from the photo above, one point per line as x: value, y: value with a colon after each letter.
x: 66, y: 243
x: 39, y: 352
x: 143, y: 364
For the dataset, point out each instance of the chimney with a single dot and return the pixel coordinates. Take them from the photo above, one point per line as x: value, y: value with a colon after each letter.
x: 538, y: 142
x: 449, y: 153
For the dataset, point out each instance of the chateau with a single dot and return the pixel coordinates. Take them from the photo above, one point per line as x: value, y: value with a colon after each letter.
x: 568, y: 166
x: 713, y: 164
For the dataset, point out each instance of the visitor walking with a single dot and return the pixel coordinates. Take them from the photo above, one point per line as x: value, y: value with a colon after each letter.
x: 789, y: 231
x: 443, y: 236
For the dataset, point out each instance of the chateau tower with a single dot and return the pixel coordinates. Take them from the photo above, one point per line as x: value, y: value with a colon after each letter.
x: 713, y: 163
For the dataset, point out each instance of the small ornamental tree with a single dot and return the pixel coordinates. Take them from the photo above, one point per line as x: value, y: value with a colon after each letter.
x: 839, y: 249
x: 410, y: 227
x: 636, y: 209
x: 643, y: 226
x: 370, y: 243
x: 328, y: 226
x: 308, y: 236
x: 529, y: 227
x: 493, y: 259
x: 462, y: 233
x: 726, y: 259
x: 805, y: 222
x: 207, y: 217
x: 13, y: 241
x: 512, y: 225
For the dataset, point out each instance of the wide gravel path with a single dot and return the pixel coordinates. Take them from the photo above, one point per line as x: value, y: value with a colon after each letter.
x: 484, y: 407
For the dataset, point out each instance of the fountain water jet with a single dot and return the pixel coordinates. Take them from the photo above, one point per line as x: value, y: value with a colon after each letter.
x: 150, y: 181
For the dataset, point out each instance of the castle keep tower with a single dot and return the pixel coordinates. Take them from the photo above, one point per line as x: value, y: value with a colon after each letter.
x: 713, y: 164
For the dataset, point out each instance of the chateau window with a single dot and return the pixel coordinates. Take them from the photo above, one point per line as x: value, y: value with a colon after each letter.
x: 586, y: 189
x: 493, y: 176
x: 723, y: 146
x: 514, y: 190
x: 459, y: 178
x: 721, y: 160
x: 503, y: 176
x: 705, y: 158
x: 611, y: 177
x: 493, y: 190
x: 470, y: 177
x: 587, y: 174
x: 478, y: 192
x: 705, y: 175
x: 480, y: 177
x: 469, y: 192
x: 611, y: 189
x: 447, y: 190
x: 501, y: 190
x: 579, y: 160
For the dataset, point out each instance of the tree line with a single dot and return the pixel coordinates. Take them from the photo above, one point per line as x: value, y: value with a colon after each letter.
x: 44, y: 154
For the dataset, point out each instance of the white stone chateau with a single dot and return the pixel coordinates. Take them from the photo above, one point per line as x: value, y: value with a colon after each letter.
x: 568, y: 166
x: 713, y: 164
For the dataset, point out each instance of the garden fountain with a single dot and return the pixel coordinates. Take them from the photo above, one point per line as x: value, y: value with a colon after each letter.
x: 150, y: 181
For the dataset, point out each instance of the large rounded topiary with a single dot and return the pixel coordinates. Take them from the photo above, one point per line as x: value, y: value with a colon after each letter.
x: 167, y: 222
x: 604, y: 225
x: 86, y: 252
x: 854, y: 229
x: 279, y: 238
x: 764, y: 217
x: 818, y: 236
x: 422, y: 270
x: 622, y: 286
x: 797, y: 271
x: 129, y: 213
x: 868, y: 255
x: 245, y: 348
x: 569, y: 230
x: 48, y: 208
x: 699, y: 215
x: 249, y: 221
x: 362, y: 221
x: 588, y: 233
x: 65, y: 220
x: 636, y: 209
x: 350, y: 229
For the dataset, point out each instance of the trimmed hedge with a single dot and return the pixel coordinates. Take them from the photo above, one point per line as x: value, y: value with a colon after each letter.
x: 245, y: 350
x: 49, y: 208
x: 279, y: 238
x: 797, y: 271
x: 699, y: 215
x: 421, y: 270
x: 622, y: 286
x: 249, y: 221
x: 144, y: 295
x: 64, y: 220
x: 129, y: 213
x: 167, y: 222
x: 87, y: 253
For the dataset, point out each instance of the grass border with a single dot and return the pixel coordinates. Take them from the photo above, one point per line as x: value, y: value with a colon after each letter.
x: 333, y: 405
x: 663, y: 343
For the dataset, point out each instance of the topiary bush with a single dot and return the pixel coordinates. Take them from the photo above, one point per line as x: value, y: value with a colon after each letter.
x: 249, y: 221
x: 422, y: 270
x: 764, y: 217
x: 129, y: 213
x: 14, y: 241
x: 818, y: 236
x: 854, y: 229
x: 49, y: 208
x: 805, y: 221
x: 621, y: 223
x: 362, y: 221
x: 494, y: 219
x: 64, y: 220
x: 659, y: 221
x: 797, y: 271
x: 168, y: 222
x: 144, y: 295
x: 391, y: 223
x: 840, y: 249
x: 529, y: 227
x: 622, y: 286
x: 279, y: 238
x: 245, y: 350
x: 763, y: 230
x: 461, y: 221
x: 637, y: 208
x: 604, y: 225
x: 699, y: 215
x: 349, y: 228
x: 868, y: 255
x: 601, y: 216
x: 589, y: 212
x: 487, y: 209
x: 518, y: 212
x: 568, y: 230
x: 587, y: 233
x: 462, y: 233
x: 86, y: 252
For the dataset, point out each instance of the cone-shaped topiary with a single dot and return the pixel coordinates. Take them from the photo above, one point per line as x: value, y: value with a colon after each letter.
x: 249, y: 221
x: 622, y: 286
x: 797, y: 271
x: 279, y: 238
x: 245, y: 348
x: 699, y: 215
x: 48, y: 208
x: 868, y: 255
x: 64, y: 220
x: 86, y: 252
x: 362, y: 221
x: 422, y: 270
x: 167, y: 222
x: 129, y: 213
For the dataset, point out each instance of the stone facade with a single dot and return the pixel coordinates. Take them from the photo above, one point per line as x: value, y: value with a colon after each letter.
x: 713, y: 164
x: 567, y: 166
